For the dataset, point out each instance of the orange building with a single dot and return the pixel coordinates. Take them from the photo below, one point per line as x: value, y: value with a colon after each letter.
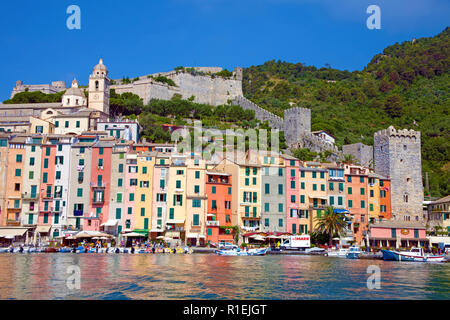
x: 14, y: 181
x: 356, y: 180
x: 385, y: 199
x: 219, y: 194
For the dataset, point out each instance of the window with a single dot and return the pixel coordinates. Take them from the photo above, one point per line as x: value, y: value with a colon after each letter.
x: 302, y: 198
x: 196, y: 203
x: 119, y: 182
x: 371, y: 193
x: 254, y: 181
x: 350, y: 203
x: 280, y: 222
x: 340, y: 201
x: 314, y: 174
x: 196, y: 189
x: 371, y: 206
x: 349, y: 178
x: 79, y: 192
x: 266, y: 207
x: 45, y: 177
x: 77, y: 124
x: 349, y: 190
x: 314, y: 187
x: 46, y: 163
x: 302, y: 174
x: 197, y: 174
x: 292, y: 198
x: 361, y: 179
x: 266, y: 222
x: 66, y: 124
x: 171, y: 213
x: 280, y: 172
x: 143, y: 197
x: 80, y: 176
x: 213, y: 204
x: 341, y: 186
x: 247, y: 181
x: 119, y: 198
x: 280, y: 189
x: 17, y: 187
x: 120, y: 167
x: 56, y: 124
x: 180, y: 172
x: 31, y: 161
x: 292, y: 184
x: 31, y: 175
x: 280, y: 207
x: 322, y: 187
x: 131, y: 197
x: 45, y: 217
x: 362, y: 191
x: 322, y: 175
x: 393, y: 233
x: 302, y: 185
x: 255, y: 171
x: 81, y: 162
x: 144, y: 170
x: 363, y: 204
x: 118, y: 213
x: 142, y: 212
x: 18, y: 172
x: 331, y: 200
x: 227, y: 204
x: 196, y: 220
x: 100, y: 162
x: 178, y: 184
x: 229, y: 190
x: 267, y: 188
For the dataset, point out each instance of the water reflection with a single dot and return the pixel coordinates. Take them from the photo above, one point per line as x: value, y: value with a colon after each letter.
x: 43, y: 276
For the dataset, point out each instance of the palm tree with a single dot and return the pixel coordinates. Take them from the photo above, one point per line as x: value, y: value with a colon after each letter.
x: 331, y: 223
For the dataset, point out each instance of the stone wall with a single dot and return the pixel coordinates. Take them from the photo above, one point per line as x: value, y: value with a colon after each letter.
x: 205, y: 88
x: 397, y: 155
x: 297, y: 123
x: 361, y: 152
x: 54, y: 87
x: 260, y: 113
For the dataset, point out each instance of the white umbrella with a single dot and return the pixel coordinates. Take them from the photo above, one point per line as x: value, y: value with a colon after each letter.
x: 160, y: 237
x: 96, y: 238
x: 104, y: 238
x: 133, y: 234
x: 258, y: 237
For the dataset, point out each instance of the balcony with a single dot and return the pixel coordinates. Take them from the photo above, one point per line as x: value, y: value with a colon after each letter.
x: 30, y: 196
x: 78, y: 213
x: 98, y: 201
x: 212, y: 223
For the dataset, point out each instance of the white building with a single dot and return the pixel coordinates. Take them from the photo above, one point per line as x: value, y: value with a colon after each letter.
x: 120, y: 129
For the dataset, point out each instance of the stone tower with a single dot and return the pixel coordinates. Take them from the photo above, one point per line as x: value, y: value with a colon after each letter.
x: 99, y: 88
x: 297, y: 122
x: 397, y: 155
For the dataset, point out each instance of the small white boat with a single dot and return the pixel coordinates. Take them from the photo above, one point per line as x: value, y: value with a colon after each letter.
x: 415, y: 255
x: 341, y: 253
x: 239, y: 252
x: 353, y: 253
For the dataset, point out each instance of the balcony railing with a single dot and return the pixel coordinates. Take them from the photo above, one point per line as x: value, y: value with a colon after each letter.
x: 13, y: 223
x: 30, y: 196
x: 212, y: 223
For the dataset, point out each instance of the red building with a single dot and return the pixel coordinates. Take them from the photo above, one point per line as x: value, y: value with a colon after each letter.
x: 219, y: 193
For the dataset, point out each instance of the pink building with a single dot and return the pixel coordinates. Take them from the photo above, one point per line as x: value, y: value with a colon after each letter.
x: 293, y: 220
x: 394, y: 234
x: 130, y: 189
x: 100, y: 186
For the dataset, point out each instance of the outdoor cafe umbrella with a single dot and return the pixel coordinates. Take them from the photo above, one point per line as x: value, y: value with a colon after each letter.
x: 133, y: 234
x: 257, y: 237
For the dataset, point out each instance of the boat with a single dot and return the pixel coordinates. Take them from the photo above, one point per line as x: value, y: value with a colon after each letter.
x: 414, y: 255
x: 341, y: 253
x: 65, y: 250
x: 353, y: 253
x: 239, y: 252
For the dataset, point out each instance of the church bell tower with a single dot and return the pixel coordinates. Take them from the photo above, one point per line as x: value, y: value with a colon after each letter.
x: 99, y: 88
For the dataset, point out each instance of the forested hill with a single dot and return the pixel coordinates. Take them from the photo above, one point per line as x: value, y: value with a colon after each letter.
x: 407, y: 85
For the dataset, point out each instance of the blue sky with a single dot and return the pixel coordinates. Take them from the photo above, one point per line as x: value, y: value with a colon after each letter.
x: 137, y: 37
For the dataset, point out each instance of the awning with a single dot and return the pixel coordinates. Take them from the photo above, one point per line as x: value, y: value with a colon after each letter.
x: 12, y: 232
x: 192, y: 235
x: 111, y: 223
x: 133, y: 234
x: 43, y: 229
x: 318, y: 197
x: 175, y: 221
x: 173, y: 234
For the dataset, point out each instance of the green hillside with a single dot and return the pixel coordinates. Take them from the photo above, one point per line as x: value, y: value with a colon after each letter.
x: 407, y: 82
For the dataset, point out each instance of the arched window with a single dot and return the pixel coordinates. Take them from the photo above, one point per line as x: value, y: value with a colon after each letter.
x: 96, y: 84
x: 405, y: 197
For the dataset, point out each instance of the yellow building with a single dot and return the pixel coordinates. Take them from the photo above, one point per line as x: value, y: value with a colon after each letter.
x: 313, y: 193
x: 196, y: 201
x: 144, y: 191
x: 373, y: 191
x: 176, y: 198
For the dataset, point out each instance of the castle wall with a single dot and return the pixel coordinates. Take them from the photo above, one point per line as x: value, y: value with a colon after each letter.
x: 398, y: 156
x: 361, y: 152
x: 260, y: 113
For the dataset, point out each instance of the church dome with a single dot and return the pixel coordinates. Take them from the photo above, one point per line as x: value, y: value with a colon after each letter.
x: 74, y: 90
x: 100, y: 68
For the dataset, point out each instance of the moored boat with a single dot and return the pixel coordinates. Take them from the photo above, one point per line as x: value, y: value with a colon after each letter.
x: 341, y: 253
x: 239, y: 252
x: 415, y: 255
x: 353, y: 253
